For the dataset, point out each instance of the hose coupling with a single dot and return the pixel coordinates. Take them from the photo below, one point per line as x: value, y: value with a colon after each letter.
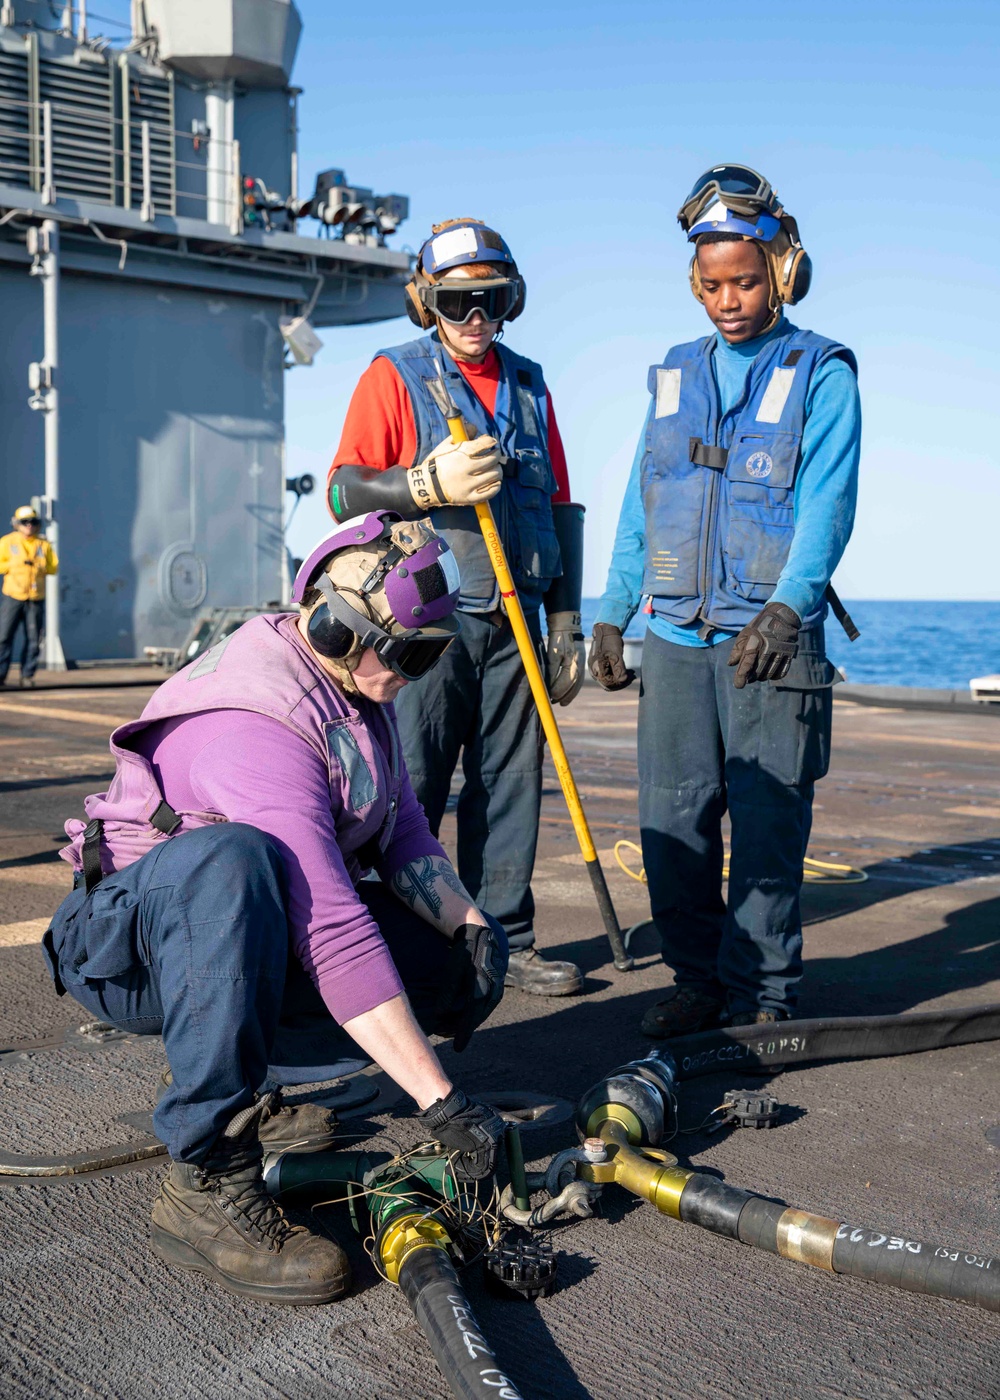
x: 403, y: 1234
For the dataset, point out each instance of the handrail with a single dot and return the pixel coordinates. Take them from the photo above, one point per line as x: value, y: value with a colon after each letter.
x: 77, y: 111
x: 137, y: 161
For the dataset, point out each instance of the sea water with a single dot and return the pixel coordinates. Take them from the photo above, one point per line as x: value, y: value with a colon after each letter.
x: 939, y: 645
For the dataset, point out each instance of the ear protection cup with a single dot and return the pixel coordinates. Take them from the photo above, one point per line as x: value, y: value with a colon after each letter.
x: 415, y: 308
x: 795, y: 275
x: 331, y: 637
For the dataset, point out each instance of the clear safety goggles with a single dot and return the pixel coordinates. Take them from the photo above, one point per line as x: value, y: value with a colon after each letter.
x: 457, y: 303
x: 736, y: 186
x: 411, y: 654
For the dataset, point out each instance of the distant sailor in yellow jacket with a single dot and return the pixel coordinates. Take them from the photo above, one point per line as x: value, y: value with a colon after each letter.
x: 26, y: 559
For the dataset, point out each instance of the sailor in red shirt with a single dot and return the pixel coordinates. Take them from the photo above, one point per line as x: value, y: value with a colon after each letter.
x: 396, y: 453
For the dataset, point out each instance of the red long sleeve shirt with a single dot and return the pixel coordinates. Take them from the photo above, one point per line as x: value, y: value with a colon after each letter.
x: 380, y: 431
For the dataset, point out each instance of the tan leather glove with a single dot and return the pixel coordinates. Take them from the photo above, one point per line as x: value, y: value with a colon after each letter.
x: 565, y: 657
x: 457, y: 474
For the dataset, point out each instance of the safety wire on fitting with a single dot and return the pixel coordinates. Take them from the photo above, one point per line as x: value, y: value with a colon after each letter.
x: 815, y: 872
x: 473, y: 1226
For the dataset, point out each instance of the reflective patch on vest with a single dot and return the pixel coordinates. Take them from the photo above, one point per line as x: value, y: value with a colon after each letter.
x: 759, y: 465
x: 779, y: 386
x: 211, y: 659
x: 361, y: 789
x: 668, y: 392
x: 526, y: 400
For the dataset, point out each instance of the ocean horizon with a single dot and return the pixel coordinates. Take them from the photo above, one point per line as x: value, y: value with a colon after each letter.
x: 939, y: 645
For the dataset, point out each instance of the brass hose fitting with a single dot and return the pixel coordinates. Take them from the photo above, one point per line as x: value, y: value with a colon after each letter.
x: 807, y: 1238
x: 649, y: 1172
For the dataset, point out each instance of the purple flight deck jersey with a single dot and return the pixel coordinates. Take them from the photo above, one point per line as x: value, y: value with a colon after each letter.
x: 255, y: 731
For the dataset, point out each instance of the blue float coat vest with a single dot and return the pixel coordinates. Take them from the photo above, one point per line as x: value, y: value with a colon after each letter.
x: 523, y: 506
x: 718, y: 490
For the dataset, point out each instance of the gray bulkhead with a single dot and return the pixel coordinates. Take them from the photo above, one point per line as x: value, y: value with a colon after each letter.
x: 171, y: 358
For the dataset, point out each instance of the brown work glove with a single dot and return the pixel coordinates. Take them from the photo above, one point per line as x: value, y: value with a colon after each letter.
x: 766, y: 647
x: 607, y: 658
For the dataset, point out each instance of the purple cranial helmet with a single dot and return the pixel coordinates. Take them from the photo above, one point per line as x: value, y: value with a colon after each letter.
x: 386, y: 583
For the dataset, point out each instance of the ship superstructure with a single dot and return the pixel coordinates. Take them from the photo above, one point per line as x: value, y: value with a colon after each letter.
x: 157, y: 279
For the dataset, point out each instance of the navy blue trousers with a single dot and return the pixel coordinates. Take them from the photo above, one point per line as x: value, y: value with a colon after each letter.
x: 477, y: 702
x: 705, y: 748
x: 191, y: 943
x: 12, y: 614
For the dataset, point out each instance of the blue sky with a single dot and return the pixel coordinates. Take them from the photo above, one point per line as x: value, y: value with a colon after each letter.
x: 577, y: 129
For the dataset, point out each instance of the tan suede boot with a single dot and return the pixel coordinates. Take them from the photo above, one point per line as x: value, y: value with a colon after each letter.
x: 217, y: 1219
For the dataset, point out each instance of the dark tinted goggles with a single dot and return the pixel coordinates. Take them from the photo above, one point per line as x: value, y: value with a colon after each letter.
x: 738, y: 187
x: 412, y: 656
x: 457, y: 305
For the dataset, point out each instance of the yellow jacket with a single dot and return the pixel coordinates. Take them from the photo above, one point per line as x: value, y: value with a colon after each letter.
x: 24, y: 562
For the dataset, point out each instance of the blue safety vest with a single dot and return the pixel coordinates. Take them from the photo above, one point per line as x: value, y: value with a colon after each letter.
x: 523, y: 506
x: 718, y: 490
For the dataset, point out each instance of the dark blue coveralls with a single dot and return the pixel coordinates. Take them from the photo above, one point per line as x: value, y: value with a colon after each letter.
x: 191, y: 942
x: 706, y: 529
x: 477, y: 700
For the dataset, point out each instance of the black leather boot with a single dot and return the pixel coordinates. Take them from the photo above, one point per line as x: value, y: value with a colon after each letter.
x: 683, y: 1011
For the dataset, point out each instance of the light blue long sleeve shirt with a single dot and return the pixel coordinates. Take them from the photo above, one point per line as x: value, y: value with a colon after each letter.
x: 826, y: 490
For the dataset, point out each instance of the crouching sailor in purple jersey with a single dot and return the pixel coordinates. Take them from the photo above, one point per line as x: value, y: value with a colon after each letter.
x: 220, y: 900
x: 738, y: 508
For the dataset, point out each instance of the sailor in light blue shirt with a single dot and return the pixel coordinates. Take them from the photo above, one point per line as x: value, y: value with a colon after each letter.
x: 825, y: 494
x: 739, y: 505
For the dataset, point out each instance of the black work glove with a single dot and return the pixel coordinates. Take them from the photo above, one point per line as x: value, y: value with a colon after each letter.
x: 473, y: 982
x: 764, y: 650
x: 607, y: 658
x: 469, y: 1129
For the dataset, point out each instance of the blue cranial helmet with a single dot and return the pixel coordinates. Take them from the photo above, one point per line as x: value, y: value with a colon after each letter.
x: 733, y: 199
x: 718, y: 218
x: 459, y: 243
x: 463, y: 243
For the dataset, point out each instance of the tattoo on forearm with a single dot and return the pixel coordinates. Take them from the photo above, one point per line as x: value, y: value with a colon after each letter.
x: 415, y: 885
x: 447, y: 874
x: 418, y: 885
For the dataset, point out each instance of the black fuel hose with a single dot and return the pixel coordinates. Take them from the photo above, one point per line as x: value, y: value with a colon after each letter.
x: 880, y: 1256
x: 466, y: 1359
x: 831, y: 1038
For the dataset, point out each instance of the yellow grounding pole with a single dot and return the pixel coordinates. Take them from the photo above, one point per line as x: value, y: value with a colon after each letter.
x: 529, y: 658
